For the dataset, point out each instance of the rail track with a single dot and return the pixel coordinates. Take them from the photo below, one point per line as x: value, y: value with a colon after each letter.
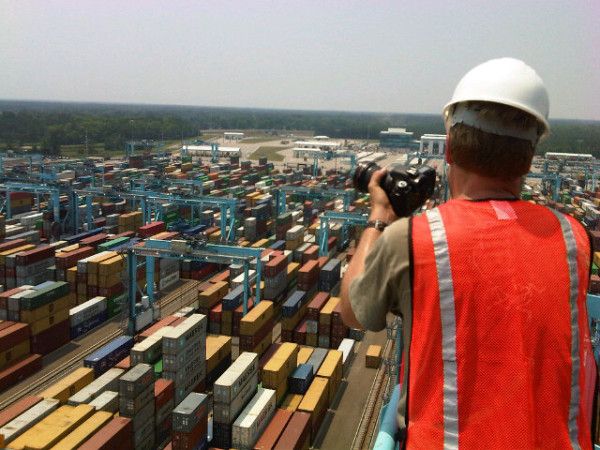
x: 366, y: 433
x: 35, y: 386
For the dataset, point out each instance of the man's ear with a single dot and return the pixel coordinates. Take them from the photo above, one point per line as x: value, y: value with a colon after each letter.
x: 448, y: 149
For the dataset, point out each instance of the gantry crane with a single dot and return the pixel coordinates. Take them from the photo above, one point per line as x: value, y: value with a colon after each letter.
x: 195, y: 250
x: 347, y: 219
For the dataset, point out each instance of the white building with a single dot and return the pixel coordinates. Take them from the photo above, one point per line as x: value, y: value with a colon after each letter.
x: 233, y: 136
x: 206, y: 150
x: 324, y: 145
x: 433, y: 144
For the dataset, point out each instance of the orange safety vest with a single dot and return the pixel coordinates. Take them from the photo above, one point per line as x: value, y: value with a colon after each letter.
x: 500, y: 354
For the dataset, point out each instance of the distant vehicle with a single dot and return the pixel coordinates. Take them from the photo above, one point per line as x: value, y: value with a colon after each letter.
x: 285, y: 142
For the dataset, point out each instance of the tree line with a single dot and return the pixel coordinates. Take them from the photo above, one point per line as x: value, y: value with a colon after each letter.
x: 48, y: 126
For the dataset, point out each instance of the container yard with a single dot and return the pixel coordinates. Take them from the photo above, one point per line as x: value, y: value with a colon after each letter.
x: 179, y: 303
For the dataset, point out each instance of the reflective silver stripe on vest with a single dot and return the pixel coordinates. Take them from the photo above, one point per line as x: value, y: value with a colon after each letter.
x: 448, y: 317
x: 571, y: 245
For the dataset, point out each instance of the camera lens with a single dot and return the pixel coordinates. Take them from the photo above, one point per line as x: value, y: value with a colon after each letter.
x: 362, y: 176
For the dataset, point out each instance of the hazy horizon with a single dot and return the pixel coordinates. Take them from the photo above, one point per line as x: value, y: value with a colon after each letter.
x: 351, y: 56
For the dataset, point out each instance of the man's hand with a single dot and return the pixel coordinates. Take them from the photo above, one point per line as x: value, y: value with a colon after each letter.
x: 381, y: 209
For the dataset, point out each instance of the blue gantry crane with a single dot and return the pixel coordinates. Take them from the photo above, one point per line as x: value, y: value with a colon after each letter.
x: 195, y: 250
x: 279, y: 195
x: 348, y: 219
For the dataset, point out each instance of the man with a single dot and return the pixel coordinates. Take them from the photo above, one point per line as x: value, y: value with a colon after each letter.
x: 491, y: 289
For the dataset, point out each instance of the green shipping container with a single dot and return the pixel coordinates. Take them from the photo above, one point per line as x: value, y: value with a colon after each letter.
x: 114, y: 305
x: 111, y: 244
x: 594, y: 269
x: 158, y: 368
x: 42, y: 297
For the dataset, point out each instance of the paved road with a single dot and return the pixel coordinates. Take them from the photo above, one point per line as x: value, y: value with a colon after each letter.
x: 345, y: 416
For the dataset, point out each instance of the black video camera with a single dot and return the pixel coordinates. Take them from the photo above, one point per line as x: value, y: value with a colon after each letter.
x: 407, y: 189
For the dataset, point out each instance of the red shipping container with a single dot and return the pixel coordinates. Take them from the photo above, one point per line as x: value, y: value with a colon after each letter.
x: 157, y: 326
x: 316, y: 304
x: 275, y: 266
x: 12, y: 336
x: 332, y: 242
x: 221, y: 276
x: 8, y: 245
x: 112, y: 291
x: 115, y: 435
x: 124, y: 364
x: 68, y: 260
x: 17, y: 408
x: 50, y: 339
x: 310, y: 253
x: 19, y: 371
x: 94, y: 241
x: 35, y: 255
x: 100, y: 222
x: 5, y: 324
x: 300, y: 333
x: 296, y: 434
x: 151, y: 229
x: 164, y: 390
x: 275, y: 428
x: 4, y: 296
x: 322, y: 261
x: 189, y: 441
x: 215, y: 313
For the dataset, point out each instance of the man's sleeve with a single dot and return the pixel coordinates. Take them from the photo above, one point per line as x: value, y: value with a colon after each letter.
x: 386, y: 279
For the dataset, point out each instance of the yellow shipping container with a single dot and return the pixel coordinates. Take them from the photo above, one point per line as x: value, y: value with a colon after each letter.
x: 303, y: 355
x: 30, y: 316
x: 67, y: 249
x: 12, y: 251
x: 327, y: 310
x: 93, y: 263
x: 84, y: 431
x: 292, y: 270
x: 332, y: 365
x: 109, y: 280
x: 43, y: 324
x: 53, y: 428
x: 217, y: 349
x: 15, y: 352
x: 111, y: 265
x: 280, y: 366
x: 291, y: 402
x: 211, y: 296
x: 597, y: 258
x: 72, y: 275
x: 260, y: 243
x: 70, y: 384
x: 316, y: 399
x: 256, y: 318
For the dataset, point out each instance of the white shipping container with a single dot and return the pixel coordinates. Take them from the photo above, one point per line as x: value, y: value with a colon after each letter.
x: 168, y: 280
x: 254, y: 418
x: 239, y: 280
x: 13, y: 300
x: 227, y: 412
x: 150, y: 349
x: 143, y: 319
x: 23, y: 422
x: 235, y: 377
x: 179, y: 337
x: 347, y: 349
x: 107, y: 401
x: 87, y: 310
x: 108, y: 381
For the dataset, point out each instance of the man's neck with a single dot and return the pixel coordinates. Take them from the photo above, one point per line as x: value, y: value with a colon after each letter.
x: 470, y: 186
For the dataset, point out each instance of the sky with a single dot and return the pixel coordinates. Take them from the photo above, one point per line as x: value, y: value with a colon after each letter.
x: 402, y: 56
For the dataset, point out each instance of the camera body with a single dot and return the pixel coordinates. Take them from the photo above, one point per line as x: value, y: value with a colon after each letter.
x: 406, y: 188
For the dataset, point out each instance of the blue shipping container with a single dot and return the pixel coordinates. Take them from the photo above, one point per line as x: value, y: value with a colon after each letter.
x: 293, y: 303
x: 106, y: 357
x: 89, y: 324
x: 233, y: 298
x: 301, y: 378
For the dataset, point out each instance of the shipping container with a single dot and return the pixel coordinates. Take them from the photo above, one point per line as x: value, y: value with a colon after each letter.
x: 28, y: 418
x: 115, y: 435
x: 69, y: 385
x: 84, y: 431
x: 297, y: 433
x: 255, y: 417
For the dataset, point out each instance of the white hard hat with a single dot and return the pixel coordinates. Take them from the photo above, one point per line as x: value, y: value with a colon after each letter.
x: 507, y: 81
